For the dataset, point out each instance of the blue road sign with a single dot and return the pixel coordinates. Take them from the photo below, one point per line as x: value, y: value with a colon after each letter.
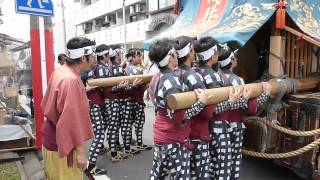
x: 35, y: 7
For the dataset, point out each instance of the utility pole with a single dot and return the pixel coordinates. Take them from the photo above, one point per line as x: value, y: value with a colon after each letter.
x: 64, y: 26
x: 124, y: 27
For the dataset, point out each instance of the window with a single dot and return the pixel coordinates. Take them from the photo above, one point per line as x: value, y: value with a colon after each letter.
x: 133, y: 18
x: 165, y: 3
x: 170, y: 2
x: 86, y: 2
x: 153, y: 5
x: 162, y: 4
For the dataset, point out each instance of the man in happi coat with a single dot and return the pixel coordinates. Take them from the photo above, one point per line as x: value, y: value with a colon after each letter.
x: 134, y: 57
x: 65, y: 105
x: 228, y: 62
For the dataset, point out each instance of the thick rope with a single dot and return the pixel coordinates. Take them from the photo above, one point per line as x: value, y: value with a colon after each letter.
x: 285, y: 130
x: 299, y: 151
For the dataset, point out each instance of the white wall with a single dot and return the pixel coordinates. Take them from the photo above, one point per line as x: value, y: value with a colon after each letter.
x: 70, y: 8
x: 99, y: 8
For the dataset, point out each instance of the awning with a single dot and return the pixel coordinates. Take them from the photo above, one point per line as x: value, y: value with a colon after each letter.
x: 242, y: 21
x: 306, y: 14
x: 225, y: 20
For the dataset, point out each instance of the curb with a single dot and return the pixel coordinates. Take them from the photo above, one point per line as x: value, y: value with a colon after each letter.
x: 32, y: 166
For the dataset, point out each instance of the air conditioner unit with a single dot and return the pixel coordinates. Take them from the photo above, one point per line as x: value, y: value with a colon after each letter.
x: 107, y: 19
x: 85, y: 1
x: 110, y: 19
x: 98, y: 22
x: 86, y: 26
x: 140, y: 8
x: 131, y: 10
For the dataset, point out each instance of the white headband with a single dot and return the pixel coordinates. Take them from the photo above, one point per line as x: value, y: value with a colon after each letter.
x: 135, y: 54
x: 205, y: 55
x: 224, y: 46
x: 103, y: 52
x: 165, y: 60
x: 77, y: 53
x: 227, y: 61
x: 184, y: 51
x: 112, y: 53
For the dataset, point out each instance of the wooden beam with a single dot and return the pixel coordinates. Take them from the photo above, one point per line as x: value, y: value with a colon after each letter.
x: 185, y: 100
x: 305, y: 58
x: 293, y: 60
x: 113, y: 81
x: 296, y: 59
x: 309, y: 67
x: 288, y: 55
x: 303, y: 36
x: 18, y: 149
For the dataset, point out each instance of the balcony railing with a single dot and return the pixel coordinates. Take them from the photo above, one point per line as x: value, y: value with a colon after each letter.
x: 114, y: 35
x: 100, y: 8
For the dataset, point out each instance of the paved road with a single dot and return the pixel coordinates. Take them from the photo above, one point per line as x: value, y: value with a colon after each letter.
x: 138, y: 167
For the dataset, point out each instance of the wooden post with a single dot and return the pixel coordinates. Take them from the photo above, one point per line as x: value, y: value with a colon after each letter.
x: 277, y: 47
x: 48, y: 36
x: 276, y: 67
x: 36, y: 76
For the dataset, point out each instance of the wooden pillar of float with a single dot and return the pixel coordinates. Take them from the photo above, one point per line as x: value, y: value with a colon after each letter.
x: 277, y: 49
x: 276, y: 69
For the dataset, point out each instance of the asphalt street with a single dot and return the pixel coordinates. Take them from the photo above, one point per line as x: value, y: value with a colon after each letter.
x: 138, y: 167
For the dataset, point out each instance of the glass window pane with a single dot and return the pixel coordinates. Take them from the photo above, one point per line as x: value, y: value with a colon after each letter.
x: 165, y: 3
x: 170, y: 2
x: 162, y: 4
x: 153, y: 5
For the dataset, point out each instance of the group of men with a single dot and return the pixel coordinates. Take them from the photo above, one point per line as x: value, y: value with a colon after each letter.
x: 104, y: 112
x: 115, y: 109
x: 200, y: 142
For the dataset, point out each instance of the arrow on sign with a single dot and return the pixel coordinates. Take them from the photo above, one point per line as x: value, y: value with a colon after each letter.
x: 39, y: 2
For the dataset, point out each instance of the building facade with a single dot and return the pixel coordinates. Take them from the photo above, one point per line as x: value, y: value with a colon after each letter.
x: 116, y: 22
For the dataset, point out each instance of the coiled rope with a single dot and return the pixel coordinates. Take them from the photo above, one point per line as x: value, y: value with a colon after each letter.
x: 284, y: 130
x: 299, y: 151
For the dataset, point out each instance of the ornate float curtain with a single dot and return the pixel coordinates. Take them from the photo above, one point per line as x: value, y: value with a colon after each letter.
x: 242, y: 19
x: 306, y: 14
x: 225, y: 20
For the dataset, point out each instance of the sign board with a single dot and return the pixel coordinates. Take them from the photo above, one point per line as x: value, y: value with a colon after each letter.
x: 35, y: 7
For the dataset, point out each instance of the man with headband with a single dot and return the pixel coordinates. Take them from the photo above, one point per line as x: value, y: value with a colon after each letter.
x: 171, y: 128
x: 96, y: 103
x: 220, y: 148
x: 62, y: 59
x: 134, y: 57
x: 117, y: 109
x: 199, y: 135
x: 65, y: 105
x: 228, y: 61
